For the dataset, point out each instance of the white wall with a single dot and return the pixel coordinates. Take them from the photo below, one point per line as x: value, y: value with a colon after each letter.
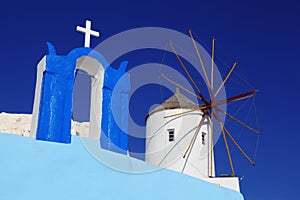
x: 227, y: 182
x: 161, y: 152
x: 41, y: 67
x: 96, y: 70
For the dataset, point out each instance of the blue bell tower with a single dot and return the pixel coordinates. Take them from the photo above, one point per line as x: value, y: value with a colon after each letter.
x: 52, y: 113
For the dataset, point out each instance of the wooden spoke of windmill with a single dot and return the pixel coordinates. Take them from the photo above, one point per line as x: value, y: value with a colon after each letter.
x: 212, y: 104
x: 187, y: 73
x: 225, y: 80
x: 180, y: 86
x: 238, y: 121
x: 233, y: 140
x: 220, y: 110
x: 199, y: 58
x: 211, y: 107
x: 226, y: 144
x: 224, y: 130
x: 182, y: 113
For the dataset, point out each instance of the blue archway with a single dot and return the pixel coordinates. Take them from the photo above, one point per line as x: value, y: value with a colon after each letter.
x: 53, y: 121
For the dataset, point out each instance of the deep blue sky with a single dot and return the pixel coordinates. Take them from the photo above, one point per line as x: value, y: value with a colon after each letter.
x: 262, y: 36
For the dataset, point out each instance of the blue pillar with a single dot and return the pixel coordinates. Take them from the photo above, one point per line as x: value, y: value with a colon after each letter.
x: 114, y: 137
x: 55, y: 112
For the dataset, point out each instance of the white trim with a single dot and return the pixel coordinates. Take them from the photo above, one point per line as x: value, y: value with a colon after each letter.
x: 41, y: 67
x: 96, y: 70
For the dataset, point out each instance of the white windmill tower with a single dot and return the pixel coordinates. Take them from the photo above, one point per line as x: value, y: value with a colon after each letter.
x: 179, y: 132
x: 168, y: 135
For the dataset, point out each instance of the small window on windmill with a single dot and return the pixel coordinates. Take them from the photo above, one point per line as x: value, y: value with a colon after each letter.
x: 171, y: 135
x: 203, y: 138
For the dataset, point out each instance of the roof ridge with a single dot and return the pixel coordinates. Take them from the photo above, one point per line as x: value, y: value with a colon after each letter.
x: 177, y: 100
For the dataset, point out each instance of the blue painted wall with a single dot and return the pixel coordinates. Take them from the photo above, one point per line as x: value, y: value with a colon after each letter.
x: 115, y: 127
x: 55, y: 111
x: 38, y: 170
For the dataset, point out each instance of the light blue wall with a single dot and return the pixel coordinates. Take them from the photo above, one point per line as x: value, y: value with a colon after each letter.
x: 38, y: 170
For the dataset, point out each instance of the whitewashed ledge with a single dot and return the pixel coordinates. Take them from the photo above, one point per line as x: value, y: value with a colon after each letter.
x: 20, y: 124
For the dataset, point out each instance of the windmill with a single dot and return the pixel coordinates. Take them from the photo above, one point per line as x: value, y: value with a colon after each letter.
x: 211, y: 107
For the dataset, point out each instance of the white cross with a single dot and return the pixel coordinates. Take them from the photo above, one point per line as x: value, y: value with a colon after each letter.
x: 88, y: 32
